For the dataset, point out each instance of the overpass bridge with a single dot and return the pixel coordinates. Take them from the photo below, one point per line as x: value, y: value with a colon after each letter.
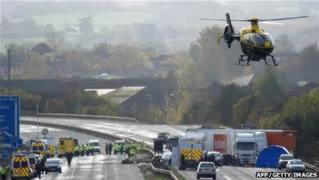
x: 56, y: 87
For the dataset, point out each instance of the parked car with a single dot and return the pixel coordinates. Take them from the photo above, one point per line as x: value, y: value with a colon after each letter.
x: 214, y: 156
x: 283, y: 159
x: 167, y: 158
x: 96, y: 145
x: 53, y: 165
x: 229, y: 160
x: 206, y: 169
x: 295, y: 165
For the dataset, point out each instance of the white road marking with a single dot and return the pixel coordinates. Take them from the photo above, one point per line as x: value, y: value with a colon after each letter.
x: 105, y: 170
x: 226, y: 177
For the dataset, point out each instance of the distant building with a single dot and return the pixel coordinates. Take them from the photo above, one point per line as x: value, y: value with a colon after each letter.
x: 302, y: 87
x: 133, y: 99
x: 242, y: 80
x: 42, y: 48
x: 162, y: 65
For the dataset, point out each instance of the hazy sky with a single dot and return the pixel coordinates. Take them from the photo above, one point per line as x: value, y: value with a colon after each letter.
x: 180, y: 15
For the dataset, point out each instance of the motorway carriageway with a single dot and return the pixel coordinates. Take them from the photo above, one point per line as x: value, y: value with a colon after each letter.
x: 146, y: 132
x: 97, y: 167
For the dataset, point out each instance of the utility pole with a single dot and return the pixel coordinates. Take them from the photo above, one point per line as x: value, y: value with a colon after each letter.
x: 37, y: 109
x: 150, y: 99
x: 9, y: 70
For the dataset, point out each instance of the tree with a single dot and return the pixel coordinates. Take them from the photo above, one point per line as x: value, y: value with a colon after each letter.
x: 89, y: 103
x: 301, y: 113
x: 102, y: 50
x: 28, y: 101
x: 55, y: 41
x: 124, y: 58
x: 213, y: 60
x: 242, y: 110
x: 230, y: 94
x: 309, y: 62
x: 86, y: 25
x: 268, y: 89
x: 35, y: 67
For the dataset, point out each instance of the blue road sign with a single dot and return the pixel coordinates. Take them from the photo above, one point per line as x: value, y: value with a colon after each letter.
x: 9, y: 121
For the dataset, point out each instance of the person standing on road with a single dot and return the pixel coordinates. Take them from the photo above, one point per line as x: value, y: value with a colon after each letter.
x: 69, y: 157
x: 110, y: 148
x: 42, y: 164
x: 128, y: 152
x: 87, y: 150
x: 2, y: 171
x: 107, y: 148
x: 121, y: 149
x: 38, y: 169
x: 91, y: 150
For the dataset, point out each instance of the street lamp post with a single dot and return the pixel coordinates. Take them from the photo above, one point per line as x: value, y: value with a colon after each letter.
x: 9, y: 70
x: 150, y: 98
x: 38, y: 129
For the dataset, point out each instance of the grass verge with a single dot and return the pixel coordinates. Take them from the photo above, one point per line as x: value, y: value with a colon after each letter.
x: 148, y: 174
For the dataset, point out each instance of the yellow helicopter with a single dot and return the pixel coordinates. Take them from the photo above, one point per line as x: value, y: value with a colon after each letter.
x: 256, y: 44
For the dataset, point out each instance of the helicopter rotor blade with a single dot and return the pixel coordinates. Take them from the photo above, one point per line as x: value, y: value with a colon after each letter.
x: 273, y: 23
x: 281, y: 19
x: 209, y: 19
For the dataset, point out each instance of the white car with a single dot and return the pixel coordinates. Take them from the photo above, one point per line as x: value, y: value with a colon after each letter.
x: 217, y: 156
x: 53, y: 165
x: 167, y: 157
x: 206, y: 169
x: 283, y: 159
x: 295, y: 165
x: 96, y: 145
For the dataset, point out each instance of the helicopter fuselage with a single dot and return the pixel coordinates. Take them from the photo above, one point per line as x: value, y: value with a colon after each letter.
x: 256, y: 46
x: 255, y: 43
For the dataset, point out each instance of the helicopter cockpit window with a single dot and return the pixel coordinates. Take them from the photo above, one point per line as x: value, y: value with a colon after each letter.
x: 259, y: 40
x: 269, y: 37
x: 249, y: 38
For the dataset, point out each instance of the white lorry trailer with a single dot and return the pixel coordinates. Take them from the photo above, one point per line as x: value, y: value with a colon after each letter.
x: 241, y: 146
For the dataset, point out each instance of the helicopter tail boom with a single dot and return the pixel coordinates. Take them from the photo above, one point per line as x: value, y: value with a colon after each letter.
x: 229, y: 35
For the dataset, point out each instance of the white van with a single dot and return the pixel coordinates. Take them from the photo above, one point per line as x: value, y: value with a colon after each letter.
x: 96, y: 145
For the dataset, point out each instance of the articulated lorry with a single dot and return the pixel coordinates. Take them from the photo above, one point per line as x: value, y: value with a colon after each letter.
x: 237, y: 146
x: 245, y: 148
x: 242, y: 146
x: 285, y: 138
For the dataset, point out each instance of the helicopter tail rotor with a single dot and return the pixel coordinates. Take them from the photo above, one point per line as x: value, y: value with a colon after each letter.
x: 228, y: 31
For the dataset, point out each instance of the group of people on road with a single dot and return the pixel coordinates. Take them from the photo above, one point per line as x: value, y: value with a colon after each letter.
x: 108, y: 148
x: 40, y: 167
x: 84, y: 149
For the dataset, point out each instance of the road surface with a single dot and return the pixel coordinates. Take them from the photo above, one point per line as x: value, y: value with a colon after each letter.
x: 97, y: 167
x: 146, y: 132
x: 136, y: 131
x: 31, y: 132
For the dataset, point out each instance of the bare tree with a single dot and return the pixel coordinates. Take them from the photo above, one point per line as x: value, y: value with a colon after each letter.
x: 55, y: 41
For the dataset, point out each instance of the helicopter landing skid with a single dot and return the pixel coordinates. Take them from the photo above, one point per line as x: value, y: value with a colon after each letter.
x: 273, y: 61
x: 241, y: 64
x: 241, y: 59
